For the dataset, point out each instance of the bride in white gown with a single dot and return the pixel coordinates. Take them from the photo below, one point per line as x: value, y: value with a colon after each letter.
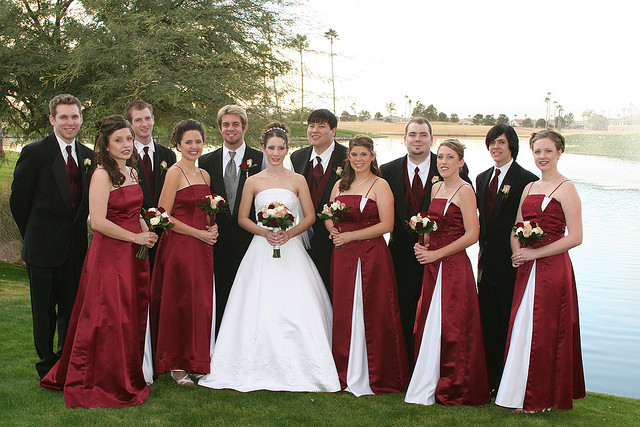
x: 276, y: 329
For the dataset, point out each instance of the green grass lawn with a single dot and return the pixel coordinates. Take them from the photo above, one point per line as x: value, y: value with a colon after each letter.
x: 22, y: 402
x: 624, y: 146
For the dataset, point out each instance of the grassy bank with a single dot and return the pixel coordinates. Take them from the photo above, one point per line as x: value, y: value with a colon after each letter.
x: 22, y: 402
x: 617, y: 145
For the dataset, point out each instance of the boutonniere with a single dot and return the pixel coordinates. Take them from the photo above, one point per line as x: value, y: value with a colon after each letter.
x: 163, y: 167
x: 505, y: 190
x: 339, y: 171
x: 247, y: 166
x: 87, y: 164
x: 435, y: 179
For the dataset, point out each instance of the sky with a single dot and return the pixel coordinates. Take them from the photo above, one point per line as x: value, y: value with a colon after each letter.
x: 469, y: 57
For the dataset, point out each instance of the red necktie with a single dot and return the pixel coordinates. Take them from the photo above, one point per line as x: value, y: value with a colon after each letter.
x: 492, y: 192
x: 316, y: 177
x: 148, y: 172
x: 417, y: 191
x: 72, y: 177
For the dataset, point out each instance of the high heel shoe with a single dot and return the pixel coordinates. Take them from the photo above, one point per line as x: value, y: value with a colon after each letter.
x: 182, y: 378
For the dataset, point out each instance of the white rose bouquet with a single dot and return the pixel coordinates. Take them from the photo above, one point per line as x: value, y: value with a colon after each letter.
x: 528, y: 233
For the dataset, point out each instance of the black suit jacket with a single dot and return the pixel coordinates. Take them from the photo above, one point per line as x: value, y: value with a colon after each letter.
x: 321, y: 245
x: 494, y: 258
x: 41, y: 204
x: 233, y: 240
x: 160, y: 154
x: 402, y: 240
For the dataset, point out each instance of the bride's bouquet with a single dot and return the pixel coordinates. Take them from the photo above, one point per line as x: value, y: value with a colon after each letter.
x: 528, y: 233
x: 422, y: 225
x: 212, y: 205
x: 156, y: 218
x: 275, y: 215
x: 334, y: 211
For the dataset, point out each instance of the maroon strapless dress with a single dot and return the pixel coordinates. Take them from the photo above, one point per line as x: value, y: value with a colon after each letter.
x: 385, y: 346
x: 182, y: 291
x: 101, y: 363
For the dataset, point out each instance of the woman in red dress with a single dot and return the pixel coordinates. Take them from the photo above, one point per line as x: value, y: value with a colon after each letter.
x: 182, y: 295
x: 101, y: 364
x: 368, y: 343
x: 450, y: 362
x: 543, y: 367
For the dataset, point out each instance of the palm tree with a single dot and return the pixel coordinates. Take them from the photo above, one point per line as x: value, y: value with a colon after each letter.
x: 300, y: 43
x: 331, y: 34
x: 547, y: 99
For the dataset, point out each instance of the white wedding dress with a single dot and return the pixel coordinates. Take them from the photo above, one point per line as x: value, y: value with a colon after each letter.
x: 276, y: 329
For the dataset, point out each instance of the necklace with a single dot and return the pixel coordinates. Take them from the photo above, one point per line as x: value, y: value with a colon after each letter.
x: 363, y: 181
x: 195, y: 170
x: 275, y: 174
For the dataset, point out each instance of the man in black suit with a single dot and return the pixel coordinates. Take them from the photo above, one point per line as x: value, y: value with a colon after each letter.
x: 229, y: 168
x: 411, y: 178
x: 318, y: 162
x: 499, y: 191
x: 49, y: 202
x: 154, y: 159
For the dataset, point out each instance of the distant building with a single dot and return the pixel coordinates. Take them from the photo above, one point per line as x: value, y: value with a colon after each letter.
x: 465, y: 122
x: 516, y: 122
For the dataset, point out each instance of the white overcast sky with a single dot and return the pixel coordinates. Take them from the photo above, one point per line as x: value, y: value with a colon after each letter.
x: 469, y: 57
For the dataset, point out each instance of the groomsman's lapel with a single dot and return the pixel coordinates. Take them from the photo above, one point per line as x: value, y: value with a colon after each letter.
x: 59, y: 171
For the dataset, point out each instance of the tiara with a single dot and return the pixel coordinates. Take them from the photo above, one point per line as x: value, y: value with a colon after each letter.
x: 275, y: 128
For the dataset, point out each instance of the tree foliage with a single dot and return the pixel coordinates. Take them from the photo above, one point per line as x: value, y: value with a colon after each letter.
x: 186, y: 57
x: 502, y: 119
x: 527, y: 122
x: 364, y: 115
x: 540, y: 123
x: 477, y: 119
x: 454, y: 118
x: 442, y: 117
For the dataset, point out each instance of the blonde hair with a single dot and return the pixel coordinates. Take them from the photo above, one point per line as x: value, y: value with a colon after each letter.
x: 455, y: 145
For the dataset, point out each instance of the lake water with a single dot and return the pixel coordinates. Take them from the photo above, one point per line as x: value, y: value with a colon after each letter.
x: 607, y: 264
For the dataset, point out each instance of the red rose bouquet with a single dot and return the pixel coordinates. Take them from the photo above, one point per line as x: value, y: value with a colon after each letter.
x: 156, y: 218
x: 422, y: 225
x: 212, y: 205
x: 275, y: 215
x: 334, y: 211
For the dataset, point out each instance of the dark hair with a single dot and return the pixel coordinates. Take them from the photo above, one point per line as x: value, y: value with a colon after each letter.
x: 184, y: 126
x: 275, y: 129
x: 349, y: 175
x: 548, y: 133
x: 138, y: 104
x: 509, y: 132
x: 323, y: 116
x: 106, y: 128
x: 63, y: 98
x: 420, y: 121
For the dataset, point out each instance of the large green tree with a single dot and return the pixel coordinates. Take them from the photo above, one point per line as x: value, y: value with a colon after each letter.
x: 186, y: 57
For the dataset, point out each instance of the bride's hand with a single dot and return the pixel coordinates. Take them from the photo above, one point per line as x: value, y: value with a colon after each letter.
x: 271, y: 237
x: 282, y: 237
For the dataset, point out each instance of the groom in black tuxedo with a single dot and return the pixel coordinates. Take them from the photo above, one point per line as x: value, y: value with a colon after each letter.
x: 154, y: 159
x: 49, y: 202
x: 499, y: 190
x: 228, y: 168
x: 319, y: 163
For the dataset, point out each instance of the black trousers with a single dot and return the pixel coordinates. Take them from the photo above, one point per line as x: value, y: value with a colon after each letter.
x: 53, y: 293
x: 495, y: 310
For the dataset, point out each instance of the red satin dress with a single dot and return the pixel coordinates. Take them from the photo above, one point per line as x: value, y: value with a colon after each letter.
x: 101, y: 363
x: 385, y: 348
x: 555, y: 374
x: 464, y: 379
x: 182, y: 291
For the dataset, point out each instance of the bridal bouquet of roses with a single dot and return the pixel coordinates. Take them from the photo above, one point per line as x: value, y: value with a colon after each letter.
x: 212, y: 205
x: 422, y: 225
x: 334, y: 211
x: 528, y: 232
x: 156, y: 218
x: 277, y: 216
